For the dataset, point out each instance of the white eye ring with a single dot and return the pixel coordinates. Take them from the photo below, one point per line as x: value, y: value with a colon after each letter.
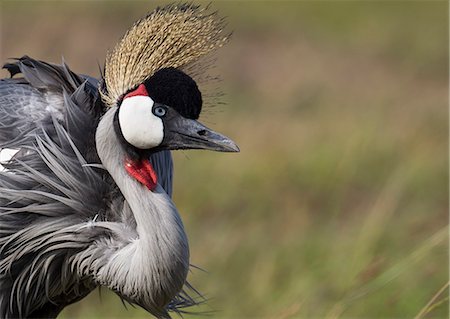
x: 159, y: 111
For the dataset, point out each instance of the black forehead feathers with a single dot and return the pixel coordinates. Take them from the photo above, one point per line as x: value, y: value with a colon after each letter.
x: 176, y: 89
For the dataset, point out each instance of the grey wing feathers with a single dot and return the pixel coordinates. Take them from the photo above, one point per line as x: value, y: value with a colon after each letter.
x: 21, y: 107
x: 47, y: 194
x: 46, y: 198
x: 27, y: 102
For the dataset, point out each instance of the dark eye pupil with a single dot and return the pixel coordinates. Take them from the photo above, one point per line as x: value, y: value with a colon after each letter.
x: 160, y: 111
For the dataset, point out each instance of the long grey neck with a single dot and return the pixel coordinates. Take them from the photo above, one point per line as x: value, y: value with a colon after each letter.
x: 153, y: 267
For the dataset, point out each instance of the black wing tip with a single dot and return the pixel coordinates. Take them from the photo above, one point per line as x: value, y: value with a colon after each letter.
x: 14, y: 67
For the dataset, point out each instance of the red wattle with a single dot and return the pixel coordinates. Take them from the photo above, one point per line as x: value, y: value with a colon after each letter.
x: 142, y: 170
x: 140, y: 91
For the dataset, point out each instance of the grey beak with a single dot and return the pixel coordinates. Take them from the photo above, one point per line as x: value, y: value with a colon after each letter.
x: 190, y: 134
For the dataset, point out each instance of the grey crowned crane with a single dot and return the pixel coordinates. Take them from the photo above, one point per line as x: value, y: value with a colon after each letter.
x: 86, y: 200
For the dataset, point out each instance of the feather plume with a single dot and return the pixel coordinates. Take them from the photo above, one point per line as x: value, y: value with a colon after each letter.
x: 172, y: 36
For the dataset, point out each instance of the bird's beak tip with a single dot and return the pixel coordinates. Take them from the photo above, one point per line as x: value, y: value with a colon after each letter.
x: 221, y: 143
x: 233, y: 148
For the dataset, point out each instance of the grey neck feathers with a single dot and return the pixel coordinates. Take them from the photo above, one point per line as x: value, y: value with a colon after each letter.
x: 151, y: 269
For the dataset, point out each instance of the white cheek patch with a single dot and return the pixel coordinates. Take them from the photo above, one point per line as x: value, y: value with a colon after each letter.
x: 139, y: 126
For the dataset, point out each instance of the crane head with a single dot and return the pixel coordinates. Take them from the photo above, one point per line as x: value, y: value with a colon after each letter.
x: 162, y: 113
x: 155, y: 104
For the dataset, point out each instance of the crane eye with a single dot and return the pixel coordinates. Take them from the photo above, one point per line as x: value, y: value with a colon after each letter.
x: 159, y: 111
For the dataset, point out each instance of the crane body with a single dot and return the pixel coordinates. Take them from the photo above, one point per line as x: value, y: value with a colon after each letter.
x: 86, y: 200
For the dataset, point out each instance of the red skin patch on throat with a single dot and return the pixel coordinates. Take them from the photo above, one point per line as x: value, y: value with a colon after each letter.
x: 142, y: 171
x: 140, y: 91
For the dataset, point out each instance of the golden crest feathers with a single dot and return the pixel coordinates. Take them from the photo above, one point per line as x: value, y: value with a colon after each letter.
x: 172, y: 36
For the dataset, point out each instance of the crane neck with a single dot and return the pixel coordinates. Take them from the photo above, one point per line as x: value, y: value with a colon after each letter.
x: 155, y: 264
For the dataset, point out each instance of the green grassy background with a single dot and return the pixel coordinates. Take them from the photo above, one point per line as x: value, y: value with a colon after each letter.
x: 337, y: 205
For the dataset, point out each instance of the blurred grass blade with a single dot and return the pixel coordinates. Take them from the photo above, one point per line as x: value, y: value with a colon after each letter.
x: 432, y: 303
x: 389, y: 275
